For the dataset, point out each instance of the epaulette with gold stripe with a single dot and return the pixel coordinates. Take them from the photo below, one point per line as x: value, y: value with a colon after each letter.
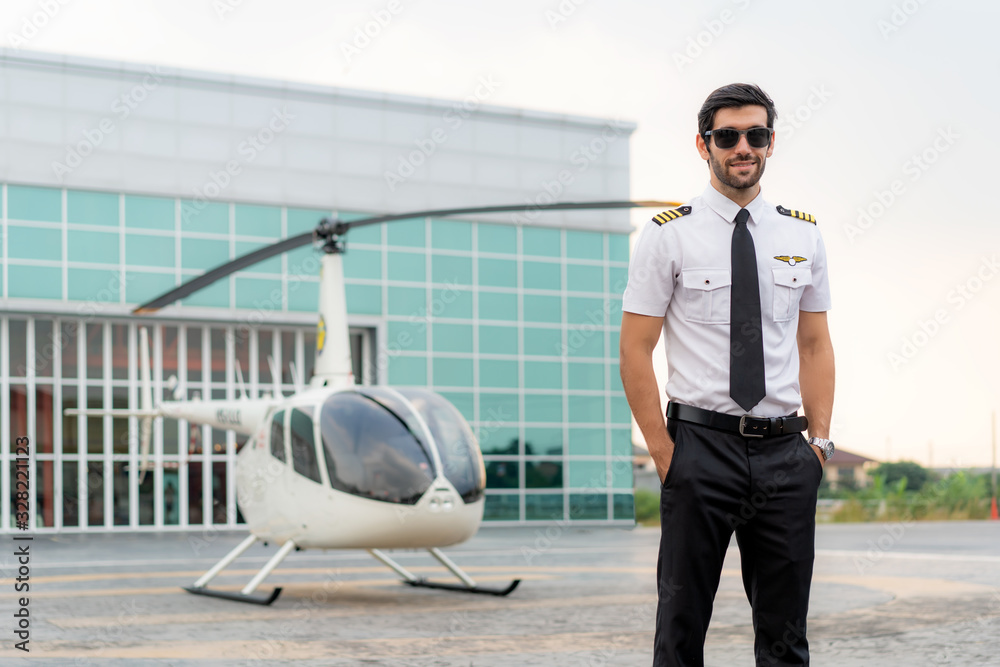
x: 796, y: 214
x: 672, y: 214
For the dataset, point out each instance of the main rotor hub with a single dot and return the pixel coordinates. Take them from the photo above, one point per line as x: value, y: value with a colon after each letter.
x: 329, y: 235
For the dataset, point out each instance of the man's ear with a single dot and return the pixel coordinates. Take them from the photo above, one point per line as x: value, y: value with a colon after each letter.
x: 702, y: 147
x: 770, y: 147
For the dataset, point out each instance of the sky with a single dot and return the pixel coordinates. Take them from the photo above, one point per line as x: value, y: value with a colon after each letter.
x: 878, y: 101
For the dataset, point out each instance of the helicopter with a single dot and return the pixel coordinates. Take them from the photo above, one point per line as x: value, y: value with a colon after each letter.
x: 340, y: 465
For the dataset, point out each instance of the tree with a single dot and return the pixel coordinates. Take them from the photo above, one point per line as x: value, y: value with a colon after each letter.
x: 916, y: 475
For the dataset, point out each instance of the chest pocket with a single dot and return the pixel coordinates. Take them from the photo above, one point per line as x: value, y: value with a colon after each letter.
x: 707, y: 295
x: 788, y: 284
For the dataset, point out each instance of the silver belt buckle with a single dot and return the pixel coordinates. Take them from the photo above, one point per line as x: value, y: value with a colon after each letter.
x: 743, y: 421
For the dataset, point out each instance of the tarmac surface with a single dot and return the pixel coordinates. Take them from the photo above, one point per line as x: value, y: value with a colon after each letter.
x: 891, y: 595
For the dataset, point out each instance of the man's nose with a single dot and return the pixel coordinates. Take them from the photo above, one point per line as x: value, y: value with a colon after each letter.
x: 743, y: 145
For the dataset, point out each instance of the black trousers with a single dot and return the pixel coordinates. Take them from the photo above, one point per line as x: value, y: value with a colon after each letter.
x: 764, y: 489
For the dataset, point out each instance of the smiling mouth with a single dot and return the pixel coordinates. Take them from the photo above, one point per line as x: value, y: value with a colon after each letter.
x: 742, y: 165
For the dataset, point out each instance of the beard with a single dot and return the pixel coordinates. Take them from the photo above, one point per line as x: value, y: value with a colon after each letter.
x: 728, y: 176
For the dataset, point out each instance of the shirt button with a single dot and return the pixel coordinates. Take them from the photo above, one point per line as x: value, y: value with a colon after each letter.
x: 706, y: 282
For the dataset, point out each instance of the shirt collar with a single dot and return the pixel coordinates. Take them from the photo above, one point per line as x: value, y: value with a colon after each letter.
x: 728, y: 209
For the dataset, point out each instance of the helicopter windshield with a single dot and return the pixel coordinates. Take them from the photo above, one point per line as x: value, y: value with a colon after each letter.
x: 460, y: 457
x: 371, y: 451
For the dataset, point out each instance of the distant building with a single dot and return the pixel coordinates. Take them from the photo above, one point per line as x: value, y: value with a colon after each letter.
x: 849, y: 469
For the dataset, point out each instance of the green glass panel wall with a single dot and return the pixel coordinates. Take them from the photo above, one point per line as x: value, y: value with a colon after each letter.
x: 408, y: 370
x: 34, y: 243
x: 451, y: 235
x: 451, y: 269
x: 364, y: 299
x: 452, y: 337
x: 501, y: 507
x: 541, y: 241
x: 497, y: 238
x: 410, y: 266
x: 588, y: 506
x: 141, y: 286
x: 497, y: 339
x: 40, y: 282
x: 497, y: 272
x: 543, y: 506
x: 540, y: 440
x: 253, y: 220
x: 584, y: 278
x: 149, y: 213
x: 31, y: 203
x: 584, y: 245
x: 624, y: 506
x: 406, y: 336
x: 91, y: 208
x: 498, y: 373
x: 449, y: 372
x: 149, y: 250
x: 618, y: 247
x: 204, y: 217
x: 497, y: 306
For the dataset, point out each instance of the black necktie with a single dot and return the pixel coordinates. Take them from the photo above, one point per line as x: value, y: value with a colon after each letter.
x: 746, y: 344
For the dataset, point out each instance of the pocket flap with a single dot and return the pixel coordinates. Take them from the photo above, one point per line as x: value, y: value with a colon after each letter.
x: 792, y: 277
x: 706, y: 279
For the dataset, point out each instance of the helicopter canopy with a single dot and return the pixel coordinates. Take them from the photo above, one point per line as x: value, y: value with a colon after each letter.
x: 376, y: 446
x: 455, y: 442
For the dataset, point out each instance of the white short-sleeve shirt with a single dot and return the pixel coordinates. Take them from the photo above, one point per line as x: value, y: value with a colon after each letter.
x: 681, y: 270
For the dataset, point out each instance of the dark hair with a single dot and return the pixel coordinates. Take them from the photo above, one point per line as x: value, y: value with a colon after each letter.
x: 732, y: 96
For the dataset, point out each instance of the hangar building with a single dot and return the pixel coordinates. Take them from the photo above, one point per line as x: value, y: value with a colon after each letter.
x: 122, y: 180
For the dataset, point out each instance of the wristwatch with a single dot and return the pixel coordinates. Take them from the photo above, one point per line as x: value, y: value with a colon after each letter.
x: 825, y: 446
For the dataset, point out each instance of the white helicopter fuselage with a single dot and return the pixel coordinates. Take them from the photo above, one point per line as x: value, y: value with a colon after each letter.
x: 278, y: 503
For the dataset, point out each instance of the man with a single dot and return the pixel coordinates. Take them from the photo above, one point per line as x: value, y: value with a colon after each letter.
x: 739, y: 289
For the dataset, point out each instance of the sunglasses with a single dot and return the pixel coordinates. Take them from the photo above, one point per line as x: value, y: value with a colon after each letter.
x: 727, y: 137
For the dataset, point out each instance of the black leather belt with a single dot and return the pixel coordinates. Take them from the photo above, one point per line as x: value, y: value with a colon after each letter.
x: 748, y: 426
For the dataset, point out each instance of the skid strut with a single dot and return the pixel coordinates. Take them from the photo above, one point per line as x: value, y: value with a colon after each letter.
x: 201, y: 586
x: 468, y: 585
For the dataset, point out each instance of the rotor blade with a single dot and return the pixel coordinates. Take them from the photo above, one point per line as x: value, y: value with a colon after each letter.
x: 294, y: 242
x: 219, y: 272
x: 509, y: 208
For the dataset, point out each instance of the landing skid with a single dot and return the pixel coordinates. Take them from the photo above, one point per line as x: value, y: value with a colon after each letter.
x: 468, y: 585
x: 236, y: 597
x: 245, y: 595
x: 501, y: 592
x: 200, y: 587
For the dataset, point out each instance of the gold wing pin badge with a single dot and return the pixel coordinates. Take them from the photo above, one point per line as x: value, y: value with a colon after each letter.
x: 791, y: 260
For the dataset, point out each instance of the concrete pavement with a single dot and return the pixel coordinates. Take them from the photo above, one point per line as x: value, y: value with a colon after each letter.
x: 892, y: 595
